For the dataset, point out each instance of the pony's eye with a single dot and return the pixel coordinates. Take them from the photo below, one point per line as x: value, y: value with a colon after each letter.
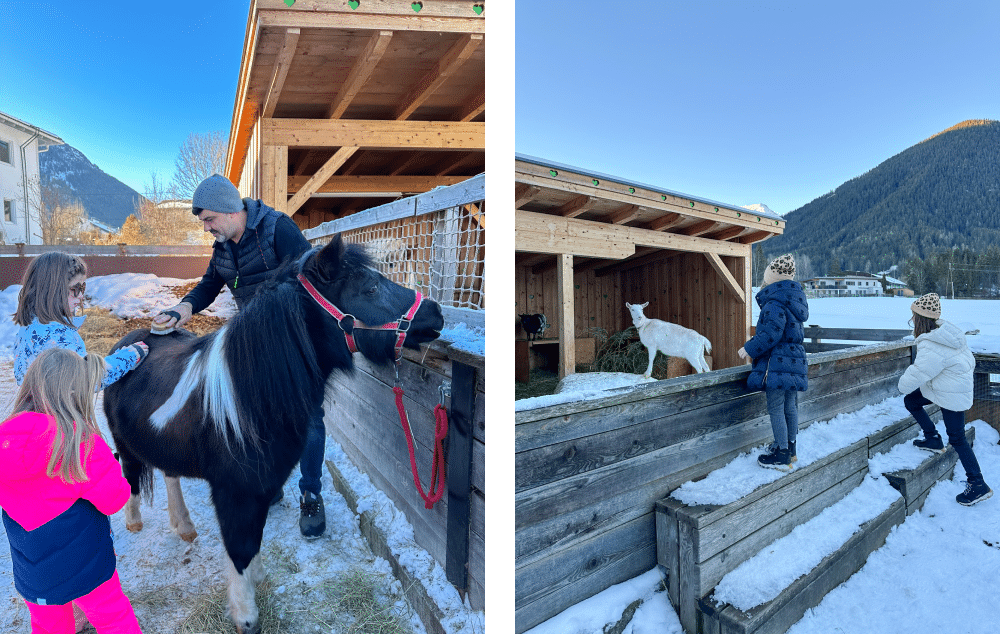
x: 371, y: 291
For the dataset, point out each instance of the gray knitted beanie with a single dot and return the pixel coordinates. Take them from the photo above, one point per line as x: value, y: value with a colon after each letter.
x: 217, y: 194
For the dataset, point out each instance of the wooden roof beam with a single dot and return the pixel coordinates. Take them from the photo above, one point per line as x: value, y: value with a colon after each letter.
x: 300, y: 166
x: 457, y: 163
x: 319, y: 178
x: 323, y: 14
x: 576, y: 206
x: 756, y: 236
x: 343, y: 183
x: 645, y: 256
x: 545, y: 233
x: 523, y: 194
x: 727, y: 277
x: 281, y: 66
x: 666, y: 221
x: 374, y: 134
x: 726, y: 234
x: 472, y: 108
x: 405, y: 163
x: 699, y: 228
x: 534, y: 260
x: 628, y: 213
x: 360, y: 73
x: 457, y: 55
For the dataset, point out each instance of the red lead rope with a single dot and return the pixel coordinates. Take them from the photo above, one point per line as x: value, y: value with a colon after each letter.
x: 438, y: 462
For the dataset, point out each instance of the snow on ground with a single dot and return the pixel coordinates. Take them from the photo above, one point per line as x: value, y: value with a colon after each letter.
x: 163, y: 576
x: 936, y: 572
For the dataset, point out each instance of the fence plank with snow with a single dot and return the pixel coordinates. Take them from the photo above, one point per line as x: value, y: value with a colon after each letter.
x: 588, y: 474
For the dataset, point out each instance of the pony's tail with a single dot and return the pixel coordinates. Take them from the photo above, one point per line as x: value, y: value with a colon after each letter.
x: 146, y: 483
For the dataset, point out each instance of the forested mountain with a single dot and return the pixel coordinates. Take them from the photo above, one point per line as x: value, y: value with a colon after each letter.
x: 942, y: 193
x: 104, y: 197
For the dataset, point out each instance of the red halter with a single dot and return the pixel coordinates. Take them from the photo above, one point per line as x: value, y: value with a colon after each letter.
x: 347, y: 322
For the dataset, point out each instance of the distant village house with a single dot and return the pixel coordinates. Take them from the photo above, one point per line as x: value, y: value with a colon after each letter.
x: 854, y: 283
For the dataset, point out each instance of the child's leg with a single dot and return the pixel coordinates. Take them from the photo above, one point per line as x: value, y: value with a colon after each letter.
x: 792, y: 414
x: 914, y: 403
x: 776, y: 410
x: 51, y: 619
x: 109, y: 610
x: 954, y: 424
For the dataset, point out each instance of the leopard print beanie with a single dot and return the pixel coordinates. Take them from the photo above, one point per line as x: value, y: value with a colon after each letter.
x: 781, y: 268
x: 928, y: 305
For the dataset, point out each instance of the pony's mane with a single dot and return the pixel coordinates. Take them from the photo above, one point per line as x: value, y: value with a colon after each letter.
x: 263, y: 364
x: 272, y: 362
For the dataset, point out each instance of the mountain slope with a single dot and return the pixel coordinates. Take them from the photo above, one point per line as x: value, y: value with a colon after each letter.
x: 941, y: 193
x: 104, y: 197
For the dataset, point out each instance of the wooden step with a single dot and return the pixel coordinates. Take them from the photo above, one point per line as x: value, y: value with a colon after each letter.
x: 777, y: 615
x: 915, y: 484
x: 698, y: 545
x: 903, y: 430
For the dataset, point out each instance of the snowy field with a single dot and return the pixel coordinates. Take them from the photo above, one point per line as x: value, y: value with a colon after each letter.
x: 937, y: 572
x: 165, y: 576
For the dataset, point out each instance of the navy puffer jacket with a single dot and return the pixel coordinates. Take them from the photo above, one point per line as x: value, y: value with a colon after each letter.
x: 776, y: 349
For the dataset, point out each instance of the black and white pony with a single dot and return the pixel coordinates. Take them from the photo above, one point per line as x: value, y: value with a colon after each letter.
x: 232, y: 407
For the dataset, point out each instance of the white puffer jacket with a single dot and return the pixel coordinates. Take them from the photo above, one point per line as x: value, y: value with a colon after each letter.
x: 943, y: 368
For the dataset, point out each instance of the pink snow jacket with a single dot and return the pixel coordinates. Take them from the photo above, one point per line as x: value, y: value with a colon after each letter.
x: 30, y: 496
x: 59, y: 534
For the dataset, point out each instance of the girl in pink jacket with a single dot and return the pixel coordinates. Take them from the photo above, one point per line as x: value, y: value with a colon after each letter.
x: 59, y: 482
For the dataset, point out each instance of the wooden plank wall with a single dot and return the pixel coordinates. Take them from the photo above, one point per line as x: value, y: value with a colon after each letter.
x: 249, y: 184
x: 683, y: 289
x: 361, y: 416
x: 587, y: 475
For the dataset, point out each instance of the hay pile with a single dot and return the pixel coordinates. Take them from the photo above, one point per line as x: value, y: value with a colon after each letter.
x: 103, y: 330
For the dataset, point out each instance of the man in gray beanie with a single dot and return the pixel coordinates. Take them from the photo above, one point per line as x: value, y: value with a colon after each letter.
x: 251, y: 241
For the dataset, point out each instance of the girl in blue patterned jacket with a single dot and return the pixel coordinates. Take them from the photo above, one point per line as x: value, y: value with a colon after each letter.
x: 52, y: 290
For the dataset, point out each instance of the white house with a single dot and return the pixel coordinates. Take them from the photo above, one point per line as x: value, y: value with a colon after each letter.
x: 20, y: 144
x: 849, y: 283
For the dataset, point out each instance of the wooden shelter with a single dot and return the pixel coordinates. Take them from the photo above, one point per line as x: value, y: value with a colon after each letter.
x: 586, y: 243
x: 343, y: 106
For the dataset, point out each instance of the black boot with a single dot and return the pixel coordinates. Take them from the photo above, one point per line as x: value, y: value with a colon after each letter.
x: 778, y: 458
x: 976, y: 490
x: 930, y: 443
x: 312, y: 521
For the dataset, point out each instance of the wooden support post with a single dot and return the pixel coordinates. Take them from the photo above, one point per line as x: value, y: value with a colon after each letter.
x: 567, y: 324
x: 463, y: 409
x: 747, y: 305
x: 274, y: 176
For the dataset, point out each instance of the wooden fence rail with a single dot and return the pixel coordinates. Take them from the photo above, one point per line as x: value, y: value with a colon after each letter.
x: 362, y: 419
x: 816, y: 334
x: 180, y: 261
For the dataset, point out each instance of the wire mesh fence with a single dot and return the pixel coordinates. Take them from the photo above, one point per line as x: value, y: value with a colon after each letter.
x: 986, y: 390
x: 442, y: 254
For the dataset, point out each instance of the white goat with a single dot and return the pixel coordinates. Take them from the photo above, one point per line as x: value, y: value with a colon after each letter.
x: 670, y: 339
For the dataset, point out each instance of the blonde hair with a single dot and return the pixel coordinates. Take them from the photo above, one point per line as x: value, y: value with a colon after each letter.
x: 45, y: 289
x: 62, y: 385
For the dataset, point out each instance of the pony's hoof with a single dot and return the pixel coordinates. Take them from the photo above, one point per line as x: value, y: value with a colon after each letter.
x: 188, y: 537
x: 134, y: 528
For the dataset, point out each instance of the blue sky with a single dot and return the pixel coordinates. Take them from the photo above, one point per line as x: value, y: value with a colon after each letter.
x: 123, y: 82
x: 748, y: 102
